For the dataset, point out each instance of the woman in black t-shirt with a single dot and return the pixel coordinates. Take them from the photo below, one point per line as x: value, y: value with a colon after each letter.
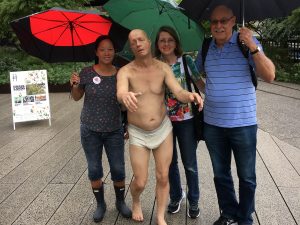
x: 101, y: 124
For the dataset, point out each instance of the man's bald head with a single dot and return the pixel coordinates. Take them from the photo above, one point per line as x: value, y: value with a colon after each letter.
x: 222, y: 22
x: 137, y: 32
x: 140, y: 43
x: 221, y: 9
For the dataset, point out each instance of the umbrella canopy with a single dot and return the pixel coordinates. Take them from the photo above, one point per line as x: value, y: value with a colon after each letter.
x: 60, y: 35
x: 150, y: 15
x: 245, y: 10
x: 95, y: 2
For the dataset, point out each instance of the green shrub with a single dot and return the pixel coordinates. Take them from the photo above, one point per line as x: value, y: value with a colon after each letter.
x: 14, y: 60
x: 289, y: 74
x: 286, y: 69
x: 59, y: 73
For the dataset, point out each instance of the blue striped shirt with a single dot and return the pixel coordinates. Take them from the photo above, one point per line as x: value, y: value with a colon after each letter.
x: 230, y: 98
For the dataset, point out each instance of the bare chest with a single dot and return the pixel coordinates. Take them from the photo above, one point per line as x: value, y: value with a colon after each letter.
x: 147, y: 81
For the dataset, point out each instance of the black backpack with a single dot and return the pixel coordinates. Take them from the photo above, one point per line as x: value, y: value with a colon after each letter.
x: 244, y: 49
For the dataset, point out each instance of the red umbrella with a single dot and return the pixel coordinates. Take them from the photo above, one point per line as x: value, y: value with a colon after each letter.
x: 60, y: 35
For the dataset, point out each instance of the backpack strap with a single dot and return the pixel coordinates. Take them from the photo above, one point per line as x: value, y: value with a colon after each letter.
x: 204, y: 50
x: 189, y: 80
x: 244, y: 49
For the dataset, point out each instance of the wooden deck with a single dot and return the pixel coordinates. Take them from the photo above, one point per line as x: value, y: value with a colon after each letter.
x: 43, y: 176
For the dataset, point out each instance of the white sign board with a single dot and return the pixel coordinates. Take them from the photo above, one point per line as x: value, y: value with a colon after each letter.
x: 29, y: 96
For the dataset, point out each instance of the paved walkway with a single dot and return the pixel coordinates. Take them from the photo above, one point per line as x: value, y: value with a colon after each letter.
x: 43, y: 176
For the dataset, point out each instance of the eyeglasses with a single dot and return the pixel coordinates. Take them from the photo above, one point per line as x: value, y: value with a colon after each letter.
x: 222, y: 21
x: 166, y: 41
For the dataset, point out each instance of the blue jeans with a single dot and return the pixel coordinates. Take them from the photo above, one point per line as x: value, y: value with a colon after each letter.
x: 184, y: 132
x: 113, y: 142
x: 242, y: 142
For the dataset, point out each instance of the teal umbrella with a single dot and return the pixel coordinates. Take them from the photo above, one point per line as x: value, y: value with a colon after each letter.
x: 150, y: 15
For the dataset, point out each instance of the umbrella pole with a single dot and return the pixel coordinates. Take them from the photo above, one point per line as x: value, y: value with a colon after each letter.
x: 73, y: 49
x: 243, y: 12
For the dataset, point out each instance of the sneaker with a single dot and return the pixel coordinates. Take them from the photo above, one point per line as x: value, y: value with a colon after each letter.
x: 225, y: 221
x: 174, y: 206
x: 194, y: 211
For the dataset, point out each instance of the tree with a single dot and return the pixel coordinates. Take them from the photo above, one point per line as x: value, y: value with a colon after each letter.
x: 10, y: 10
x: 279, y: 30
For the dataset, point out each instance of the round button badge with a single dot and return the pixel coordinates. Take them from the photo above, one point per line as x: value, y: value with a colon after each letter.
x: 97, y: 80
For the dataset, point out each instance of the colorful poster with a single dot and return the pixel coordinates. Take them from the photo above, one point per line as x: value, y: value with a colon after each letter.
x: 30, y: 96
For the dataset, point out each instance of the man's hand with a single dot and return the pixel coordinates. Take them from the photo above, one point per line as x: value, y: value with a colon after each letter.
x: 246, y: 36
x: 195, y: 97
x: 129, y: 100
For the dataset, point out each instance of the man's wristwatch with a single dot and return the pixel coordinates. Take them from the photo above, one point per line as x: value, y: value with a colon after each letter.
x: 256, y: 50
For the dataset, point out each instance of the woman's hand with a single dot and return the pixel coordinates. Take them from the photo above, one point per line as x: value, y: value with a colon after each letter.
x: 75, y: 79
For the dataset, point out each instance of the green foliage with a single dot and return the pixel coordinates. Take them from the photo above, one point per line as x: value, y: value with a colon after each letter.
x: 289, y: 74
x: 286, y: 70
x: 14, y: 60
x: 280, y: 29
x: 10, y: 10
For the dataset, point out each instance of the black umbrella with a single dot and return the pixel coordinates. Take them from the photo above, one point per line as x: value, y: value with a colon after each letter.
x: 95, y: 2
x: 60, y: 35
x: 245, y: 10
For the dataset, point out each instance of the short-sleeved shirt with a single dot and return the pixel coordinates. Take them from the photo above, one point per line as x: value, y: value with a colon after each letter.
x: 179, y: 111
x: 230, y: 98
x: 101, y: 111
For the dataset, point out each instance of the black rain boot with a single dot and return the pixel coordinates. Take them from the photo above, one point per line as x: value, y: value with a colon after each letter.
x: 101, y: 206
x: 120, y: 203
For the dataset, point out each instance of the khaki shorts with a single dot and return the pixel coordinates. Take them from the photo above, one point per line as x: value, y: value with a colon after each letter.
x: 150, y: 139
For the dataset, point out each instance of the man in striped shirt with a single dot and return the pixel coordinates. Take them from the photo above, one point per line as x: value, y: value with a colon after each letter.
x: 230, y: 113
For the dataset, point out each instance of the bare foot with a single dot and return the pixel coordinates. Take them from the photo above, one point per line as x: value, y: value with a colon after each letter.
x: 137, y: 214
x: 161, y: 221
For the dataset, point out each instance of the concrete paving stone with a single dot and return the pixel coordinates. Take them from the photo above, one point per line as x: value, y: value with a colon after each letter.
x: 20, y: 156
x: 74, y: 207
x: 45, y: 205
x: 29, y: 190
x: 283, y: 115
x: 13, y: 140
x: 5, y: 98
x: 36, y: 136
x: 73, y: 170
x: 276, y: 162
x: 25, y: 169
x: 282, y: 88
x: 208, y: 199
x: 292, y: 197
x: 22, y: 128
x: 291, y: 152
x: 293, y: 141
x: 270, y: 206
x: 20, y: 204
x: 57, y: 162
x: 18, y: 201
x: 6, y: 190
x: 84, y: 178
x: 59, y: 100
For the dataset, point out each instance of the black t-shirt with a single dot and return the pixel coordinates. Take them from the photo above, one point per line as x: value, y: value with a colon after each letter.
x: 101, y: 111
